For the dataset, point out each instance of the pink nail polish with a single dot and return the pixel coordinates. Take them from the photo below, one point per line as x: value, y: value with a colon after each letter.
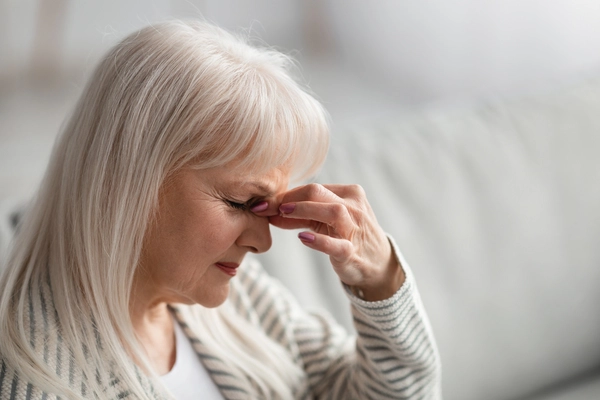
x: 287, y: 208
x: 262, y: 206
x: 306, y: 237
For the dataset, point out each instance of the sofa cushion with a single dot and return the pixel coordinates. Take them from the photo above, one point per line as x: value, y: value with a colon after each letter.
x: 583, y: 388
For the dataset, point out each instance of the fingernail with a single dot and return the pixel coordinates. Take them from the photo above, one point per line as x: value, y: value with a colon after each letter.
x: 287, y: 208
x: 306, y: 237
x: 262, y: 206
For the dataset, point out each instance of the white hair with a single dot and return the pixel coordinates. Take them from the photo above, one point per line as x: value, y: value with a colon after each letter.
x: 170, y: 95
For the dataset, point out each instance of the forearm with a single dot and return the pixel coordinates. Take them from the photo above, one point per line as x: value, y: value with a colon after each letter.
x: 396, y: 351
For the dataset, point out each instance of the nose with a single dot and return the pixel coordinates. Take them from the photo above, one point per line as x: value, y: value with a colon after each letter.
x: 256, y: 236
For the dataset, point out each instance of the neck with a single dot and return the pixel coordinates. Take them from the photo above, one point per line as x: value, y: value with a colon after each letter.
x: 154, y: 328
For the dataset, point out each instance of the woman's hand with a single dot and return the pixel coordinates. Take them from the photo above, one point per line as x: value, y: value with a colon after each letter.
x: 343, y: 226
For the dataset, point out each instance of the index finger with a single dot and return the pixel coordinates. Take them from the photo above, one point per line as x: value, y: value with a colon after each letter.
x: 309, y: 192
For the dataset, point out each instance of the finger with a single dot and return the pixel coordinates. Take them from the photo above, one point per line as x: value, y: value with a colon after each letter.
x: 335, y: 215
x: 289, y: 223
x: 310, y: 192
x: 339, y: 250
x: 266, y: 208
x: 346, y: 191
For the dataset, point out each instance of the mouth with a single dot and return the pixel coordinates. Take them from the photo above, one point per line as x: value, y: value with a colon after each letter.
x: 228, y: 267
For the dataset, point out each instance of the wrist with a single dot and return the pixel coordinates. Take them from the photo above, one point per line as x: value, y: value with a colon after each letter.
x: 387, y: 286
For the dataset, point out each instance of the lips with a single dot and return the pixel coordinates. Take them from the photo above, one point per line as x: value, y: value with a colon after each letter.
x: 228, y: 267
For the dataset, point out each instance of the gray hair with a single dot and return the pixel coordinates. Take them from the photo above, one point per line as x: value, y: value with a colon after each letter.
x: 170, y: 95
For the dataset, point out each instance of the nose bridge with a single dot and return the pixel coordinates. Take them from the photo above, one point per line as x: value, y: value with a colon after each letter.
x: 257, y: 235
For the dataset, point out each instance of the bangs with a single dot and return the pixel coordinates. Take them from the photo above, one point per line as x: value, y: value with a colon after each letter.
x: 265, y: 120
x: 288, y: 128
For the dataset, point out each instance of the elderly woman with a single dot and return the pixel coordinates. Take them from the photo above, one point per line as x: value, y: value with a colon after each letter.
x: 128, y: 279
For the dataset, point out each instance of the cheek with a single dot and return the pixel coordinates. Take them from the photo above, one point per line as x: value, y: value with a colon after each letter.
x: 194, y: 233
x: 221, y: 232
x: 214, y: 231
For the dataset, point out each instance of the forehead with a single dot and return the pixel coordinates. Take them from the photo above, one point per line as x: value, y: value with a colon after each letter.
x: 264, y: 183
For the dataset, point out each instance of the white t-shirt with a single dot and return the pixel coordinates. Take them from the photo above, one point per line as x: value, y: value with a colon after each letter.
x: 189, y: 379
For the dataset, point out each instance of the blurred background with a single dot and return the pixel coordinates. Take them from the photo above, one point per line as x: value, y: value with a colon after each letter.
x: 502, y: 241
x: 362, y: 58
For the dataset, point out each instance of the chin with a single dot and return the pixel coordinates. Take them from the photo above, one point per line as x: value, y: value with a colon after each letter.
x: 214, y: 299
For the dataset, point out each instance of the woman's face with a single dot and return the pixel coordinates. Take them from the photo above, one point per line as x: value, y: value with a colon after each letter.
x: 201, y: 232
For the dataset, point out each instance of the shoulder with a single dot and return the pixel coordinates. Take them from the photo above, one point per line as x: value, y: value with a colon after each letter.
x: 13, y: 387
x: 254, y: 288
x: 265, y: 302
x: 37, y: 338
x: 253, y: 282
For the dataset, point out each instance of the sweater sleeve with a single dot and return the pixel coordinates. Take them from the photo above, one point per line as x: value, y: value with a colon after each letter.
x: 394, y: 355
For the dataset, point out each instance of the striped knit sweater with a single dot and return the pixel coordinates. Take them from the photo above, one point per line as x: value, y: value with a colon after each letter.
x: 393, y: 357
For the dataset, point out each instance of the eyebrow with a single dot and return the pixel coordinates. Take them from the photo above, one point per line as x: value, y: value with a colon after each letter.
x: 264, y: 190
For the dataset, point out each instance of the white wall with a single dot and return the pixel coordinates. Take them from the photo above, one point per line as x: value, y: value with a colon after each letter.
x: 439, y: 49
x: 419, y: 51
x: 16, y: 34
x: 79, y: 34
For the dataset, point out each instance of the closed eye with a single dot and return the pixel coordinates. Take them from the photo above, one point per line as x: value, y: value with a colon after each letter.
x: 237, y: 206
x: 241, y: 206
